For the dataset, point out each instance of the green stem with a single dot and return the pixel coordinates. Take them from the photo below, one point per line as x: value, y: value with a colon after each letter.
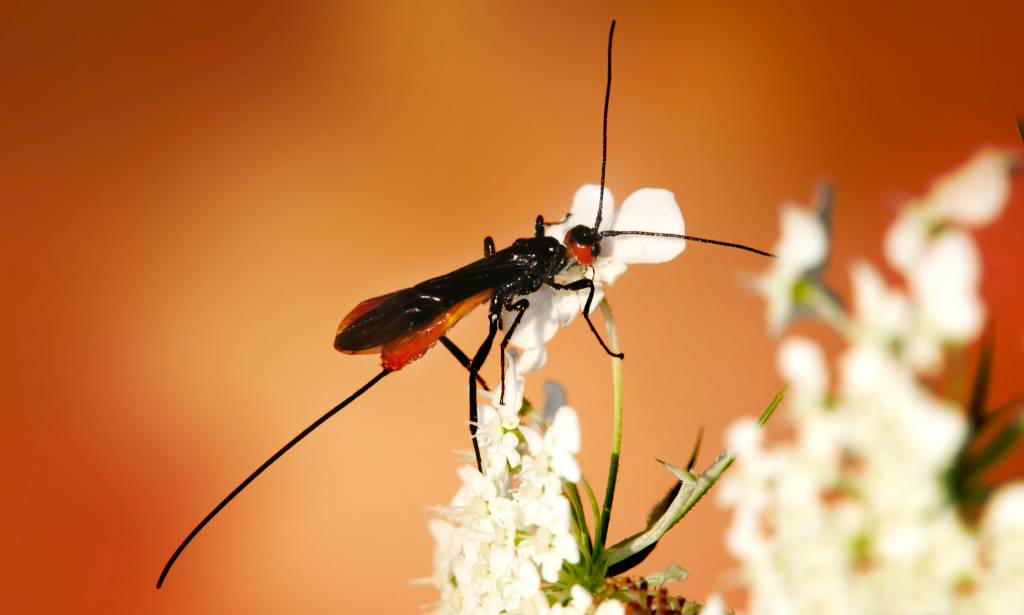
x: 601, y: 534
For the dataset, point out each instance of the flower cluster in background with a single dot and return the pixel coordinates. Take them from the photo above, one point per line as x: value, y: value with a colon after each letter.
x: 509, y: 527
x: 853, y: 513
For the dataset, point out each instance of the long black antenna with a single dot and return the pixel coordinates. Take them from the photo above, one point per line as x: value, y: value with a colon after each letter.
x: 604, y: 132
x: 717, y: 243
x: 266, y: 465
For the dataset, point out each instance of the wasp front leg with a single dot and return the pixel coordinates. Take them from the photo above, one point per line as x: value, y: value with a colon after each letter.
x: 493, y: 317
x: 521, y: 307
x: 580, y: 285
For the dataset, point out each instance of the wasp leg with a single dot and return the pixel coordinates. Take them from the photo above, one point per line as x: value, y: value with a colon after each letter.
x: 580, y: 285
x: 462, y: 358
x: 519, y: 306
x: 493, y: 316
x: 488, y: 247
x: 541, y: 224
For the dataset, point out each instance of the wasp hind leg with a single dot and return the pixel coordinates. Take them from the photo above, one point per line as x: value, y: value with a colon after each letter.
x: 462, y: 358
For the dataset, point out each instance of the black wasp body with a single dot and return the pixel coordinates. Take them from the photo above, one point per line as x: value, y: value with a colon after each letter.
x: 403, y: 325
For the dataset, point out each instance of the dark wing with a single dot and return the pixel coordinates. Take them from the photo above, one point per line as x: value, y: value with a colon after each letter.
x: 377, y: 321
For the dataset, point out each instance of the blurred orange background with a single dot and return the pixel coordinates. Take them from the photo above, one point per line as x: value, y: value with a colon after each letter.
x: 195, y: 193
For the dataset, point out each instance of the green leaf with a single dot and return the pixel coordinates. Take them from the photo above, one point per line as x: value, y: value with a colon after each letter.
x: 991, y: 456
x: 684, y: 475
x: 696, y: 449
x: 979, y: 394
x: 683, y: 496
x: 772, y: 406
x: 526, y: 408
x: 590, y: 496
x: 583, y: 532
x: 991, y: 453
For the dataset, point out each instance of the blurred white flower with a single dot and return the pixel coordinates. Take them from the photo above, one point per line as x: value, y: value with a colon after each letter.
x: 610, y: 607
x: 649, y: 209
x: 1002, y: 540
x: 852, y: 513
x: 582, y: 601
x: 714, y: 606
x: 945, y: 284
x: 975, y: 194
x: 802, y: 363
x: 802, y: 251
x: 970, y: 197
x: 928, y: 244
x: 882, y: 315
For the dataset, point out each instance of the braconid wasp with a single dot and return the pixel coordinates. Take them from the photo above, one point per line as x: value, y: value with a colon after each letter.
x: 402, y: 326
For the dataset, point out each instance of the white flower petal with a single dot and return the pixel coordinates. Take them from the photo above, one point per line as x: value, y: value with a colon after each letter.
x: 529, y: 578
x: 533, y: 359
x: 1005, y: 512
x: 584, y: 211
x: 568, y: 304
x: 564, y: 432
x: 946, y: 286
x: 652, y: 210
x: 714, y: 606
x: 534, y: 439
x: 609, y: 270
x: 512, y: 380
x: 906, y: 239
x: 802, y: 362
x: 610, y: 606
x: 743, y: 435
x: 804, y: 242
x: 879, y: 310
x: 581, y: 598
x: 565, y: 466
x: 802, y: 247
x: 862, y: 368
x: 513, y: 390
x: 441, y: 530
x: 976, y: 193
x: 539, y: 323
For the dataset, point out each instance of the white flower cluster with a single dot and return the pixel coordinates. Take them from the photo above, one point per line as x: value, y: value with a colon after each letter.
x: 852, y: 514
x: 510, y: 527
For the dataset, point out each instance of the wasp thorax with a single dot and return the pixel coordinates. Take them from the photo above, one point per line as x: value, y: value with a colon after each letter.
x: 583, y: 244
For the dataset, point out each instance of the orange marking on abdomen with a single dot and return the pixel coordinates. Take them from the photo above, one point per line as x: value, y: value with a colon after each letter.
x: 403, y: 350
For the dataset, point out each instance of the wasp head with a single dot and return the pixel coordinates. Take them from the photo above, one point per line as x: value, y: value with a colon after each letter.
x: 583, y: 243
